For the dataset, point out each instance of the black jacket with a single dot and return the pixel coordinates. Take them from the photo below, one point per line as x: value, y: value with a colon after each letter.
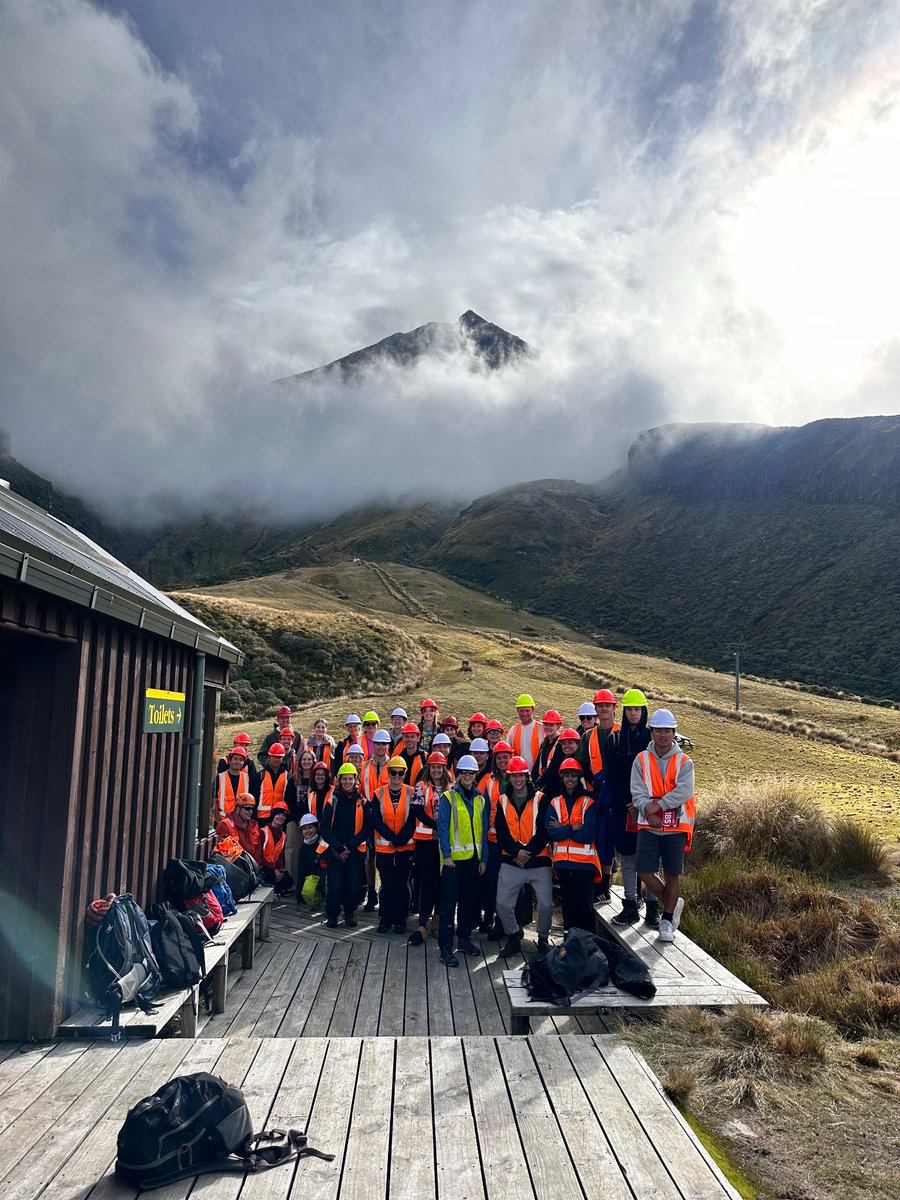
x: 619, y: 752
x: 337, y: 822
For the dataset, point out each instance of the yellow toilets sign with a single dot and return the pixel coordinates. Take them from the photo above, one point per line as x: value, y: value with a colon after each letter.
x: 163, y: 711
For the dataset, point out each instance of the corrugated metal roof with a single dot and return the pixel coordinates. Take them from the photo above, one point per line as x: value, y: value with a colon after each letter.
x: 48, y: 554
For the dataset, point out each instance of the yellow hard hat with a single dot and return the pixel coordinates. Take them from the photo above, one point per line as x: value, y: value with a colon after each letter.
x: 397, y: 763
x: 525, y: 701
x: 371, y: 716
x: 347, y: 769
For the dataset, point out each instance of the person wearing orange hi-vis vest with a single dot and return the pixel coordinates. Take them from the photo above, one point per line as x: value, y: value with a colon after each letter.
x: 343, y: 828
x: 374, y: 775
x: 526, y: 734
x: 426, y: 851
x: 572, y: 827
x: 393, y: 819
x: 231, y: 782
x: 273, y: 845
x: 524, y: 846
x: 662, y: 792
x: 271, y: 782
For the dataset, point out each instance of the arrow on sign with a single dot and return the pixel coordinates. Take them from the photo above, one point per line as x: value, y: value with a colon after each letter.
x: 178, y: 712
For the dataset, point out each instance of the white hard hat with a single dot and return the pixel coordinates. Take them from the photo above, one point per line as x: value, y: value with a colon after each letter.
x: 480, y: 745
x: 355, y: 749
x: 586, y: 709
x: 308, y: 819
x: 662, y: 719
x: 353, y: 719
x: 441, y: 739
x: 382, y: 737
x: 467, y: 763
x: 399, y: 712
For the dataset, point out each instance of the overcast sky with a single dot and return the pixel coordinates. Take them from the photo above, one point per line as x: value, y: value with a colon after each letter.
x: 689, y: 209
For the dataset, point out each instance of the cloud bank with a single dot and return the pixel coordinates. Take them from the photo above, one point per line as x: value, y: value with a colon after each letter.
x: 688, y: 209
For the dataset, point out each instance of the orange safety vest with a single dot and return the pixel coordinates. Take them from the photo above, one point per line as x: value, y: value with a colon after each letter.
x: 522, y: 826
x: 312, y: 802
x: 491, y: 787
x: 394, y: 816
x: 270, y: 793
x: 271, y: 846
x: 674, y: 820
x: 595, y: 750
x: 413, y: 772
x: 326, y: 752
x: 537, y: 736
x: 571, y: 851
x: 360, y: 816
x: 226, y: 795
x: 423, y: 832
x: 372, y: 778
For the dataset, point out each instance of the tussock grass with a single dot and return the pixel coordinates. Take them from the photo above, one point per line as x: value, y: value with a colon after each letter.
x: 679, y: 1084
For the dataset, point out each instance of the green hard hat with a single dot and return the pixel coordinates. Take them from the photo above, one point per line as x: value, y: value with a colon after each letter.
x: 525, y: 701
x: 634, y: 698
x: 347, y: 769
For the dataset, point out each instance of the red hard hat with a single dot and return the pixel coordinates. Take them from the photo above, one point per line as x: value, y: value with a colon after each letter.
x: 570, y: 734
x: 284, y: 711
x: 287, y: 732
x: 409, y: 727
x: 279, y: 806
x: 503, y: 748
x: 277, y: 749
x: 494, y: 724
x: 435, y: 757
x: 320, y: 766
x: 242, y: 739
x: 448, y: 721
x: 552, y: 716
x: 236, y: 750
x: 570, y: 764
x: 605, y: 696
x: 428, y: 704
x: 478, y: 717
x: 517, y: 766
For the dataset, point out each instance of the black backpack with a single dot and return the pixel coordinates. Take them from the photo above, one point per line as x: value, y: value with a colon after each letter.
x: 196, y: 1125
x: 241, y: 874
x: 186, y: 879
x: 574, y: 968
x: 121, y: 966
x: 178, y: 946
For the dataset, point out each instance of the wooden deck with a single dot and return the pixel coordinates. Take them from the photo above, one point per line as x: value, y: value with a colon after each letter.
x: 545, y: 1118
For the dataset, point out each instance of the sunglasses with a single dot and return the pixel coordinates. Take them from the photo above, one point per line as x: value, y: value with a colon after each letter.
x: 396, y: 772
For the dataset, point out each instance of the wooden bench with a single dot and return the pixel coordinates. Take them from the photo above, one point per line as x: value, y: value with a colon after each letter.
x: 91, y: 1021
x: 684, y: 974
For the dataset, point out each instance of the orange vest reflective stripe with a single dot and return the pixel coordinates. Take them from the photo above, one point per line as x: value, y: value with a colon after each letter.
x: 360, y: 817
x: 674, y: 820
x: 423, y: 832
x: 571, y: 851
x: 312, y: 800
x: 372, y: 778
x: 537, y: 736
x: 271, y: 846
x: 522, y: 826
x: 490, y: 787
x: 325, y: 755
x: 269, y: 792
x: 595, y: 749
x: 229, y: 790
x: 413, y: 772
x: 394, y: 816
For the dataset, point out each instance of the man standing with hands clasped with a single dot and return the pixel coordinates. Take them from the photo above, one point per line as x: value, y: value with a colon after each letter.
x: 662, y: 792
x: 463, y: 836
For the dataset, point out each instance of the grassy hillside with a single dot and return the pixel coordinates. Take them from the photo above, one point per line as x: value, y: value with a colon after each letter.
x: 563, y: 671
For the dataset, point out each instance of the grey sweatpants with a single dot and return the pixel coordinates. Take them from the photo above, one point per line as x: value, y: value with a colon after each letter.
x: 508, y: 884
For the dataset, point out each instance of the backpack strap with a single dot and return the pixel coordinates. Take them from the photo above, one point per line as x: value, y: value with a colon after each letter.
x: 275, y: 1146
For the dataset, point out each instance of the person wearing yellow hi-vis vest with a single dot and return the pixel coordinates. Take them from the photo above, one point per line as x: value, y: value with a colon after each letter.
x: 662, y: 792
x: 463, y: 836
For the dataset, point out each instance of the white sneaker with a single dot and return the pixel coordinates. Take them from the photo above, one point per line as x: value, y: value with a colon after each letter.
x: 666, y: 932
x: 676, y: 913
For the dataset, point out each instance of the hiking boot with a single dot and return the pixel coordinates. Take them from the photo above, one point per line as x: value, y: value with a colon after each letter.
x: 628, y: 915
x: 651, y: 915
x: 417, y: 938
x: 666, y: 932
x: 400, y: 928
x: 543, y: 945
x: 466, y: 946
x: 448, y: 958
x: 350, y: 921
x: 331, y: 923
x: 512, y: 945
x: 371, y: 901
x: 384, y: 927
x: 676, y: 913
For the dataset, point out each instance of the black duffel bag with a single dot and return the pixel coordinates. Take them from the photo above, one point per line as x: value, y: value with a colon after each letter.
x: 185, y: 879
x: 241, y: 874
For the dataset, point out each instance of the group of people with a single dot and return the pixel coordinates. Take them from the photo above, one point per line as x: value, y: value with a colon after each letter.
x: 464, y: 827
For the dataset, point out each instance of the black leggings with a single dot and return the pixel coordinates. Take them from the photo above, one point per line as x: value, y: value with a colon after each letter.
x: 428, y: 872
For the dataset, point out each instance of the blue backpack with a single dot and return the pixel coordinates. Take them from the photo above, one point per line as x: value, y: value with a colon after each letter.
x: 221, y: 890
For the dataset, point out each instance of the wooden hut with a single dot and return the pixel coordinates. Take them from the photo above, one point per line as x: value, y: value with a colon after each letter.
x: 107, y: 722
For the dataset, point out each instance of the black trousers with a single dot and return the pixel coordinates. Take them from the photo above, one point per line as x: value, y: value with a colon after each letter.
x: 459, y: 899
x: 345, y: 885
x: 487, y: 885
x: 393, y: 899
x: 428, y: 872
x: 576, y: 893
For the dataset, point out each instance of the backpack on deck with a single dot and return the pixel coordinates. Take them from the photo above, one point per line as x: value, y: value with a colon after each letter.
x: 574, y: 968
x: 241, y: 872
x: 196, y: 1125
x: 185, y: 879
x: 178, y: 946
x: 221, y: 890
x: 207, y: 909
x: 121, y: 966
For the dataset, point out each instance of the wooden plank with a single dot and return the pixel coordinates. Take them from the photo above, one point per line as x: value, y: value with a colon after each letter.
x: 412, y: 1131
x: 440, y: 1009
x: 330, y: 1119
x: 487, y: 1008
x: 552, y: 1172
x: 415, y: 1010
x: 240, y: 985
x: 465, y: 1018
x: 365, y: 1175
x: 503, y: 1161
x: 633, y: 1147
x: 24, y: 1060
x: 244, y: 1019
x: 496, y: 965
x: 343, y: 1017
x: 588, y: 1145
x: 368, y: 1011
x: 279, y: 1001
x: 691, y: 1170
x: 457, y: 1157
x: 303, y: 1002
x: 390, y: 1021
x: 326, y: 996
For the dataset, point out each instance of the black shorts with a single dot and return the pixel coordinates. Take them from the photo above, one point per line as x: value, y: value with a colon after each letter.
x: 653, y: 846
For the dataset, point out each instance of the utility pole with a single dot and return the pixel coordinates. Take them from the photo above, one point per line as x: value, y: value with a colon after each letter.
x: 735, y: 650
